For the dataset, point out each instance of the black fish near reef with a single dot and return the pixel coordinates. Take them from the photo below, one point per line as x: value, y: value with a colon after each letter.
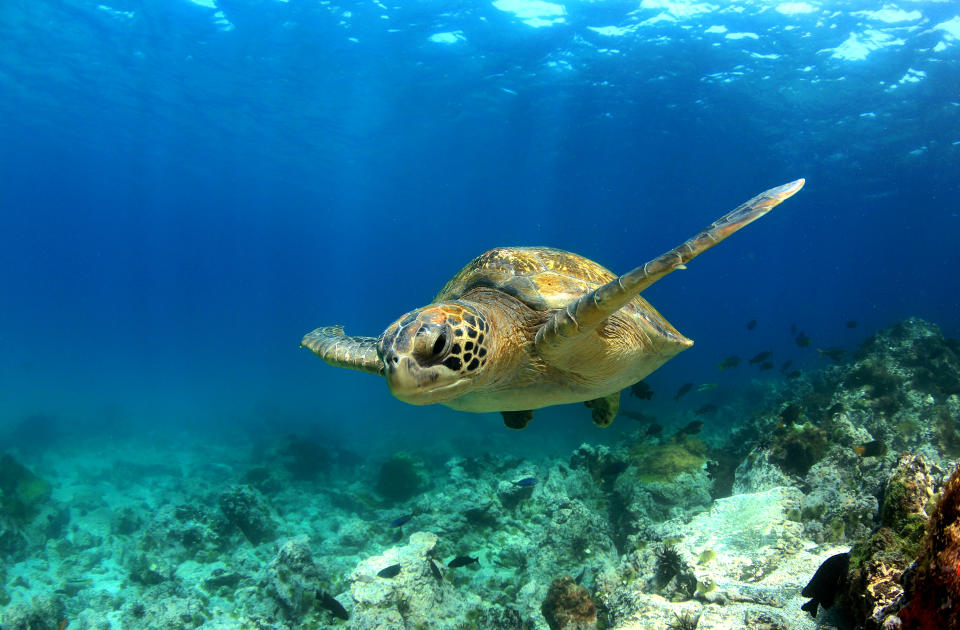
x: 851, y: 324
x: 693, y: 428
x: 751, y: 324
x: 791, y: 413
x: 403, y: 520
x: 614, y: 468
x: 786, y: 365
x: 526, y: 482
x: 683, y: 391
x: 327, y: 602
x: 833, y: 352
x: 436, y: 571
x: 766, y: 365
x: 826, y: 583
x: 390, y: 572
x: 729, y: 362
x: 709, y: 408
x: 462, y: 561
x: 636, y: 415
x: 654, y: 429
x: 795, y: 374
x: 760, y: 358
x: 803, y: 341
x: 870, y: 449
x: 641, y: 390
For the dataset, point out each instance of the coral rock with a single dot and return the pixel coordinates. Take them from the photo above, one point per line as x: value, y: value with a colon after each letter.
x: 568, y: 606
x: 246, y: 508
x: 291, y: 577
x: 933, y: 588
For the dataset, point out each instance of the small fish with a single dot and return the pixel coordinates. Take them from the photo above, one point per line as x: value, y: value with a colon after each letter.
x: 390, y: 572
x: 462, y: 561
x: 760, y: 358
x: 786, y: 365
x: 526, y: 482
x: 580, y: 575
x: 793, y: 329
x: 851, y: 324
x: 826, y: 583
x: 751, y: 324
x: 403, y: 520
x: 870, y: 449
x: 833, y: 352
x: 641, y: 390
x: 693, y: 428
x: 654, y: 429
x: 613, y: 469
x: 684, y: 389
x: 795, y: 374
x: 329, y: 603
x: 766, y: 365
x: 706, y: 387
x: 708, y: 408
x: 436, y: 571
x: 729, y: 362
x: 803, y: 341
x: 636, y: 415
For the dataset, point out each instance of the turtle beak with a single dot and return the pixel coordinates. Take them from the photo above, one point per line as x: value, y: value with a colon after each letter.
x: 406, y: 379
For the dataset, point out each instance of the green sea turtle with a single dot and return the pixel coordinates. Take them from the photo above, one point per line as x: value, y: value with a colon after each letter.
x: 520, y: 328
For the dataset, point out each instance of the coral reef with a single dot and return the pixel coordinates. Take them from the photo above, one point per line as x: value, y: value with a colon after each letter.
x: 933, y: 585
x: 246, y: 508
x: 401, y: 477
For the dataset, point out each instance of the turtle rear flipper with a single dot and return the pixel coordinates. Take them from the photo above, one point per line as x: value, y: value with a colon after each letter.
x: 604, y: 409
x: 333, y: 346
x: 587, y: 313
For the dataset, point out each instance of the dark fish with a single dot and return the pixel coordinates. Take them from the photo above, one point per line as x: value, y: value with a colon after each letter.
x: 766, y: 365
x: 786, y: 365
x: 390, y: 572
x: 709, y: 408
x: 462, y: 561
x: 791, y: 413
x: 851, y: 324
x: 826, y: 583
x: 693, y: 428
x: 729, y: 362
x: 329, y: 603
x: 751, y: 324
x: 614, y: 468
x: 526, y: 481
x: 403, y: 520
x: 803, y: 341
x: 793, y: 329
x: 654, y: 429
x: 436, y: 571
x: 636, y: 415
x: 641, y: 390
x: 684, y: 390
x: 580, y: 575
x: 870, y: 449
x: 833, y: 352
x: 760, y: 358
x: 795, y: 374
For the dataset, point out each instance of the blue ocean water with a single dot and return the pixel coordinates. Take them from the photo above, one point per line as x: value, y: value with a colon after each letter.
x: 188, y: 187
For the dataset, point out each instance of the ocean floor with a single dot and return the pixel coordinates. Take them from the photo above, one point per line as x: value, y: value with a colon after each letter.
x: 676, y: 529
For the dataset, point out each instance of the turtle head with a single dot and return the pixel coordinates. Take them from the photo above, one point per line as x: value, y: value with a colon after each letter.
x: 435, y: 354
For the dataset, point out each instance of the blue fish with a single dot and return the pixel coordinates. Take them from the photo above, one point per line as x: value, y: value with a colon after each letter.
x: 526, y: 481
x: 397, y: 522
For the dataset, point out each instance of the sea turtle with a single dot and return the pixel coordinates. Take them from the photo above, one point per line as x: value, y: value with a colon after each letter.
x: 520, y: 328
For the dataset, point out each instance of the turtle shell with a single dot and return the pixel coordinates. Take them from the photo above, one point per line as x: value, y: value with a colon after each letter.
x: 543, y: 278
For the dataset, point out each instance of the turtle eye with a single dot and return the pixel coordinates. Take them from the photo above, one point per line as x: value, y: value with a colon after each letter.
x: 440, y: 344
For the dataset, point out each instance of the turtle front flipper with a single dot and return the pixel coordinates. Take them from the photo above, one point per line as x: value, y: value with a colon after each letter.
x: 357, y: 353
x: 604, y: 409
x: 587, y: 313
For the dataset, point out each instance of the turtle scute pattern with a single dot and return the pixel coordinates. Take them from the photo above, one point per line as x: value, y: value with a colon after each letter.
x: 543, y: 278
